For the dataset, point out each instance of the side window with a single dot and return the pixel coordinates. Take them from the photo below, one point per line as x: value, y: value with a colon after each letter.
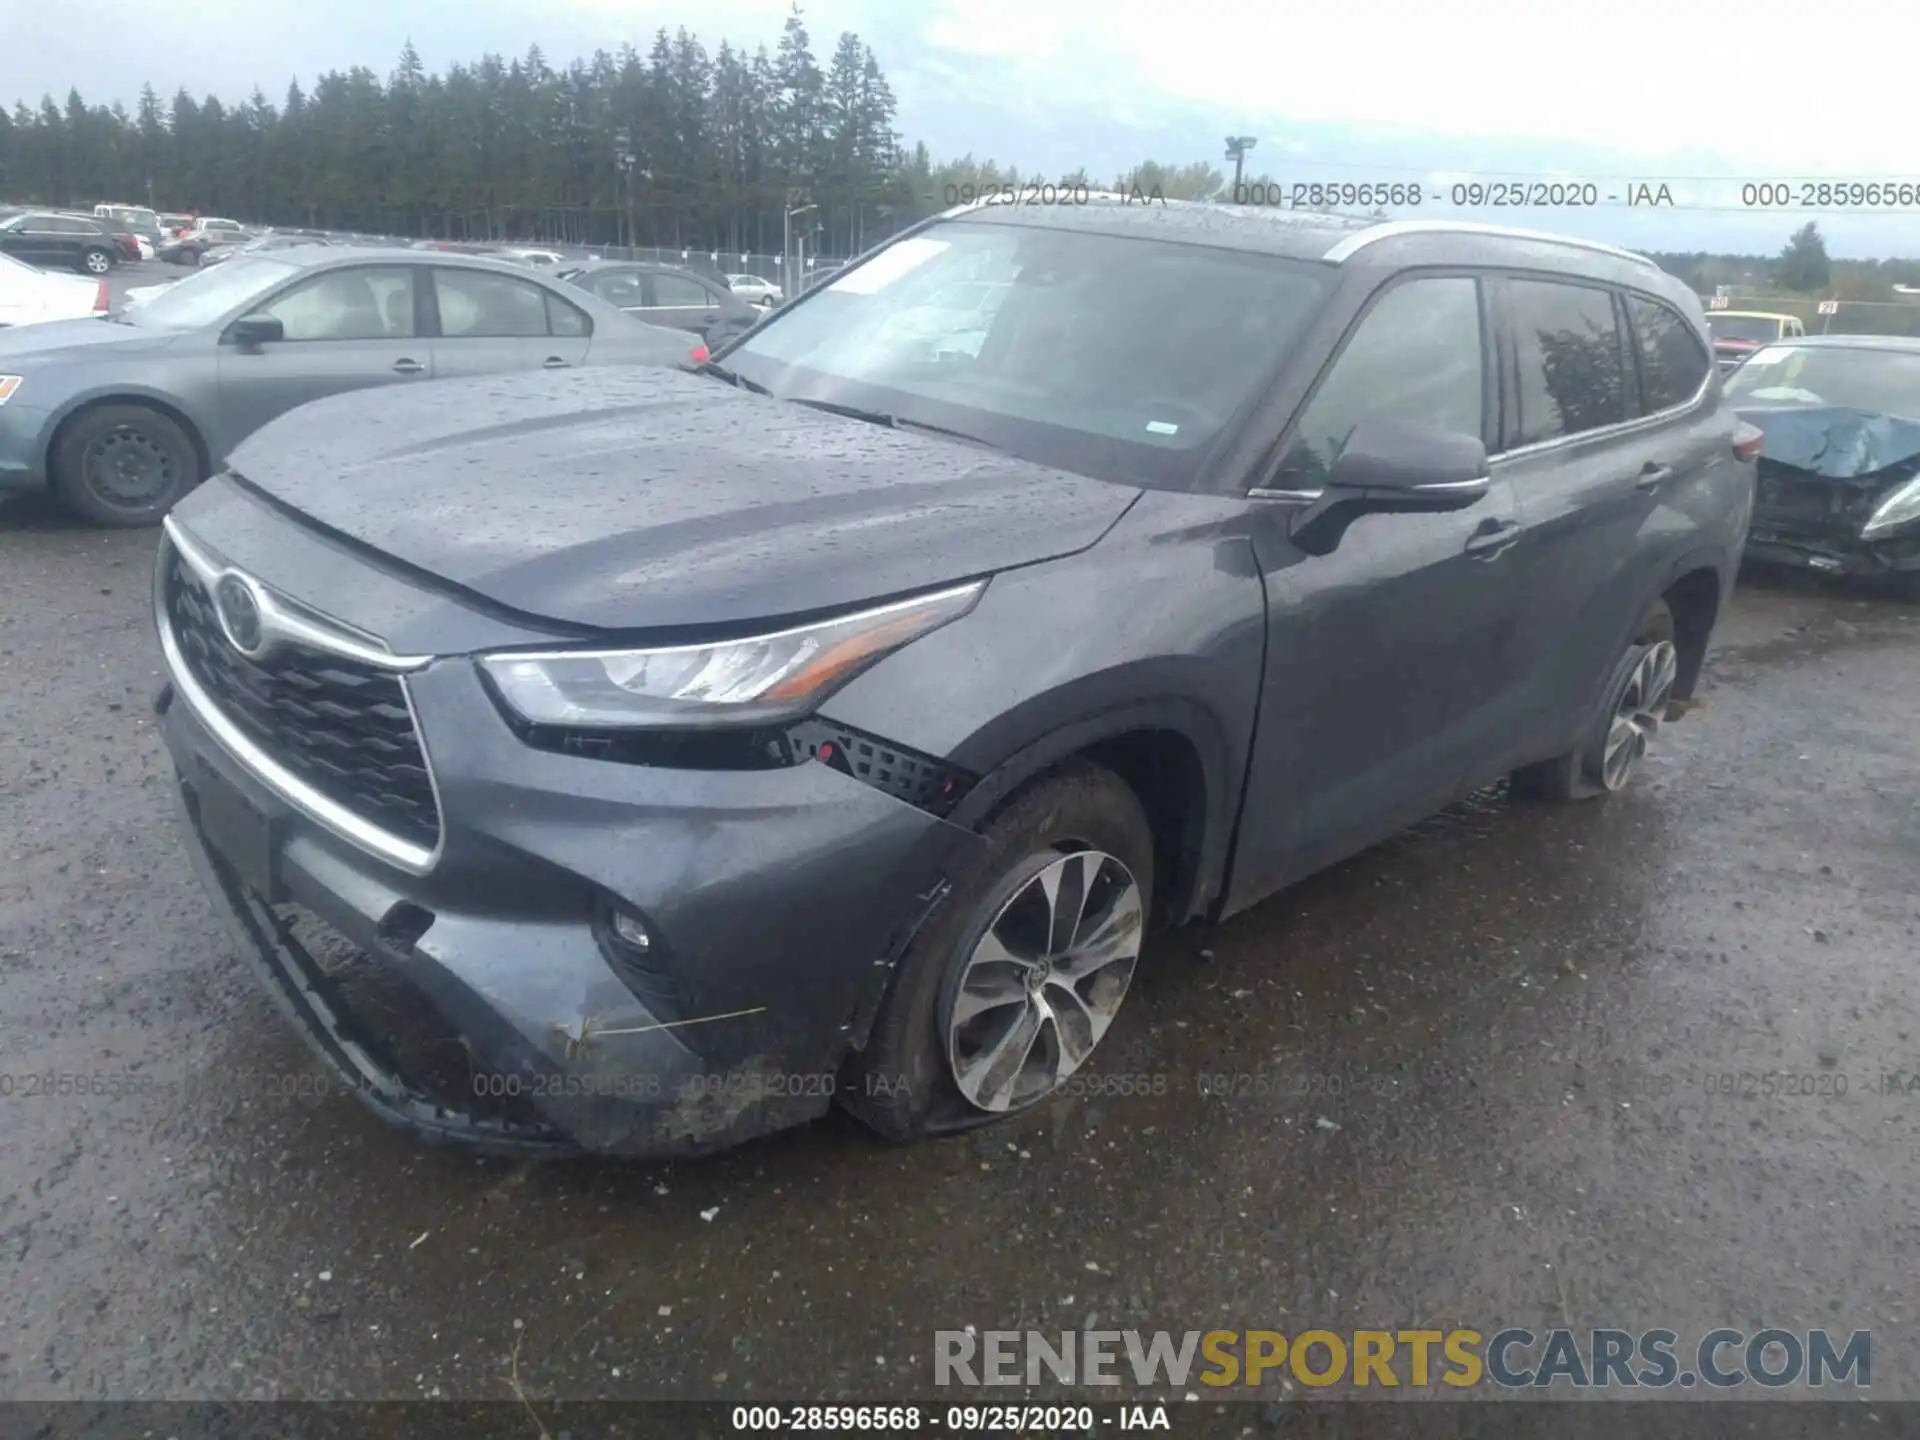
x: 682, y: 290
x: 364, y: 303
x: 1673, y: 362
x: 479, y: 305
x: 1417, y: 355
x: 619, y: 287
x: 1567, y: 345
x: 565, y: 319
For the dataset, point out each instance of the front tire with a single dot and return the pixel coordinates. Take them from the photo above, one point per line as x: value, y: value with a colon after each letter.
x: 1638, y: 693
x: 123, y: 466
x: 1020, y: 971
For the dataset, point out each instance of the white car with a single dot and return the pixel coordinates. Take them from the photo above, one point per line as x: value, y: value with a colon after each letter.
x: 141, y: 293
x: 29, y: 296
x: 538, y: 258
x: 146, y: 246
x: 754, y: 290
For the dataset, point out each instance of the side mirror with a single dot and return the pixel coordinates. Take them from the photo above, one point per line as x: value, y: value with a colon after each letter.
x: 1393, y: 467
x: 250, y: 332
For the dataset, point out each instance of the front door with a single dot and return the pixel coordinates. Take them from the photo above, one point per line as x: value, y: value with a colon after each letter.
x: 1382, y: 656
x: 345, y: 330
x: 491, y: 323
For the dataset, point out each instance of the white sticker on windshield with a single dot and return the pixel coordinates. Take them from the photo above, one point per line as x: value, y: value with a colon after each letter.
x: 889, y: 265
x: 1772, y: 355
x: 1161, y: 427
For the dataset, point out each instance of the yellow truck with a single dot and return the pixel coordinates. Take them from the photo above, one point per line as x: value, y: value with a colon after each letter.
x: 1738, y: 333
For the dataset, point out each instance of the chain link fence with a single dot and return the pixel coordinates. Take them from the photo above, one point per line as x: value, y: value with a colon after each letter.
x: 721, y: 262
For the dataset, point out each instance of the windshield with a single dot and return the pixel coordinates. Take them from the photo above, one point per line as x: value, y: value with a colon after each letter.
x: 1111, y: 356
x: 1886, y: 382
x: 207, y: 295
x: 13, y: 222
x: 1752, y: 328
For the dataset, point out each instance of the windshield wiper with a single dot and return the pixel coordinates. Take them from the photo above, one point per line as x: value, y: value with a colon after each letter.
x: 732, y: 377
x: 896, y: 422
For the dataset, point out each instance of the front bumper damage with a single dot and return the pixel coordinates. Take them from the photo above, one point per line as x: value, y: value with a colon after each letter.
x: 1822, y: 475
x: 482, y: 1002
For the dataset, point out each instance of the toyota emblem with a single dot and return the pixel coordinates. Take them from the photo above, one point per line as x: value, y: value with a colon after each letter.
x: 239, y: 608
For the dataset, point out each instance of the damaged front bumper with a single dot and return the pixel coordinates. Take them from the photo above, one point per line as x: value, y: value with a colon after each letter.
x: 1834, y: 554
x: 490, y: 1000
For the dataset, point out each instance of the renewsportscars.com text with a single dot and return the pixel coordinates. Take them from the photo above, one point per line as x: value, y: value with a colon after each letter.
x: 1512, y: 1358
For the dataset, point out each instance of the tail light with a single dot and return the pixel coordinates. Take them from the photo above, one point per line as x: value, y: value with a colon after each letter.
x: 701, y: 354
x: 1747, y: 441
x: 102, y: 301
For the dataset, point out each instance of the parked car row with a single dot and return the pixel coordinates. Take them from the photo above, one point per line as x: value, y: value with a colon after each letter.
x: 849, y: 702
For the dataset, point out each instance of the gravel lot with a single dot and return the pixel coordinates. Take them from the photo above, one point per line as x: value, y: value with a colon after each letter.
x: 1481, y: 1011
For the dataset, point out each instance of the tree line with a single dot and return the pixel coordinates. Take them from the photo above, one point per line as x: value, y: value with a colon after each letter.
x: 674, y: 148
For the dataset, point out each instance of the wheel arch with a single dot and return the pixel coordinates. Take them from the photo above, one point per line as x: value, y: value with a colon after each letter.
x: 66, y: 419
x: 1694, y: 591
x: 1174, y: 755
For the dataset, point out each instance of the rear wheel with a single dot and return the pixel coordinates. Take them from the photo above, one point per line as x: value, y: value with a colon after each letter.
x: 96, y: 262
x: 1639, y: 691
x: 1019, y: 974
x: 123, y: 466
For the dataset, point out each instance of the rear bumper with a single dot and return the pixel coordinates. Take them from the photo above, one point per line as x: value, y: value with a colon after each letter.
x: 777, y: 901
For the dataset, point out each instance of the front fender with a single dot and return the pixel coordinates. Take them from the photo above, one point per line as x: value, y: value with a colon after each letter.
x: 198, y: 421
x: 1161, y: 626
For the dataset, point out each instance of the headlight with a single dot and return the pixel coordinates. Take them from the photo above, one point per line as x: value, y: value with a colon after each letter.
x: 1891, y: 513
x: 8, y: 384
x: 751, y: 681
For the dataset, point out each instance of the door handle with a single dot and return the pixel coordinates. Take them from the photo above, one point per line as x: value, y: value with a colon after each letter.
x: 408, y: 367
x: 1493, y: 539
x: 554, y: 362
x: 1653, y: 475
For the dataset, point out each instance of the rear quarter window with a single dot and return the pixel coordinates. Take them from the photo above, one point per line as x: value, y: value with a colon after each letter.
x: 1673, y: 362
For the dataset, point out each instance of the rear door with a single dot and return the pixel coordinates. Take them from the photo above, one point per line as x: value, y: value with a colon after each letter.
x: 346, y: 329
x: 490, y: 323
x: 624, y: 288
x: 685, y: 302
x: 1606, y: 422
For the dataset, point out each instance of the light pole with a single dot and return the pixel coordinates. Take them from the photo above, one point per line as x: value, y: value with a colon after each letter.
x: 1237, y: 148
x: 786, y: 245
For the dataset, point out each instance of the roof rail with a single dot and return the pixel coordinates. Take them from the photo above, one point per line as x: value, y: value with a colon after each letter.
x: 1355, y: 243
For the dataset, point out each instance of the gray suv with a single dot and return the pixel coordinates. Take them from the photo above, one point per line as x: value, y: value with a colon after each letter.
x: 642, y: 760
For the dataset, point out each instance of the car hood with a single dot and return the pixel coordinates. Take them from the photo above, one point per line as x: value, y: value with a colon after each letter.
x: 1833, y: 442
x: 648, y: 497
x: 58, y: 341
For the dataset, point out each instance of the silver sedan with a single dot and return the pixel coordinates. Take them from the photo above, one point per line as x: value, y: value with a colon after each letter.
x: 121, y: 416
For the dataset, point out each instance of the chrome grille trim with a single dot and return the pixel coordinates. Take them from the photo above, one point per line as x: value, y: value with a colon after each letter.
x: 289, y: 787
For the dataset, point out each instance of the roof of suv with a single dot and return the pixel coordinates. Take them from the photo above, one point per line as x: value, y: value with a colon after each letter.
x: 1343, y: 240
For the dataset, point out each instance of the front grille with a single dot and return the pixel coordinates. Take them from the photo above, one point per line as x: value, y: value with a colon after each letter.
x: 341, y: 725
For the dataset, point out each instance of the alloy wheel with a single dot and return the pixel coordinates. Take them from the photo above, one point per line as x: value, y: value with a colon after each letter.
x: 1637, y: 716
x: 1045, y: 981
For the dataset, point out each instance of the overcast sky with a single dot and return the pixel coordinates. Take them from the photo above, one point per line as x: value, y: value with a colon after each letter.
x: 1357, y: 89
